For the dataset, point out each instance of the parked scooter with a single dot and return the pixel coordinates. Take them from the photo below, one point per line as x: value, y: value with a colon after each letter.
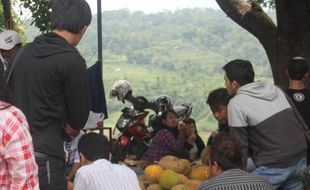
x: 134, y: 135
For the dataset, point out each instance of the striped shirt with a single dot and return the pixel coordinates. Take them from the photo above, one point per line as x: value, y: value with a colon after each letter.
x: 236, y: 179
x: 102, y: 174
x: 18, y: 169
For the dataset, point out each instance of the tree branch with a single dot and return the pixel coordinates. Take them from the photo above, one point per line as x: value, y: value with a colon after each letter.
x: 252, y: 18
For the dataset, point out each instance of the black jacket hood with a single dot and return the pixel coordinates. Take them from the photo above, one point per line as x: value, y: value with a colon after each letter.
x: 50, y: 44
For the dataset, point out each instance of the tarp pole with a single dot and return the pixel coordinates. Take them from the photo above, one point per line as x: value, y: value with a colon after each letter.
x: 99, y: 31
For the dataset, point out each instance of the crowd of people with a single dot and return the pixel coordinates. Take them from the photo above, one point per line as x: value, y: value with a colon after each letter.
x: 261, y: 142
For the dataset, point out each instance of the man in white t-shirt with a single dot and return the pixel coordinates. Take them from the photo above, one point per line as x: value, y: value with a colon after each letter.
x: 72, y: 156
x: 97, y: 172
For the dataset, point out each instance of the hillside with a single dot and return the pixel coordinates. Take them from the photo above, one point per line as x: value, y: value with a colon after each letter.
x: 179, y: 54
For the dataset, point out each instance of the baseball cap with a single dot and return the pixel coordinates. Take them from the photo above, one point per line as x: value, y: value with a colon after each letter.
x: 8, y: 39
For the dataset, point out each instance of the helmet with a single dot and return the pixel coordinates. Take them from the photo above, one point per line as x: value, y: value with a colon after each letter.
x: 120, y: 89
x: 163, y: 103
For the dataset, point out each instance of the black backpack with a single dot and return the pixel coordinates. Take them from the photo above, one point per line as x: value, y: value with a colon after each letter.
x: 5, y: 95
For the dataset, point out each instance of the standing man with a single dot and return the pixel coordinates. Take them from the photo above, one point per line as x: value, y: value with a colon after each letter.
x: 9, y: 44
x: 261, y: 118
x: 298, y: 71
x: 18, y: 169
x: 49, y: 84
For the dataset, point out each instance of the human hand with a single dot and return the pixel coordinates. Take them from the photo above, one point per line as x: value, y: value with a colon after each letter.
x: 191, y: 139
x: 99, y: 124
x: 182, y: 127
x: 71, y: 132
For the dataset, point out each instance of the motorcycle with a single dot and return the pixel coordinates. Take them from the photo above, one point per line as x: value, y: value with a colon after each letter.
x: 134, y: 135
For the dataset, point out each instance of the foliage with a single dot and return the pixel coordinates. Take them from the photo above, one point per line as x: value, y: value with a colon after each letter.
x: 41, y: 11
x: 18, y: 25
x: 265, y: 3
x: 179, y: 54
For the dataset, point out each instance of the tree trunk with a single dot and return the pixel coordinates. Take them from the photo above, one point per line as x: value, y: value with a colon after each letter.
x: 8, y: 20
x: 293, y: 33
x: 290, y: 38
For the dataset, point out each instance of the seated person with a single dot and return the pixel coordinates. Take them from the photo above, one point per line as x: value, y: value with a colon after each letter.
x: 218, y: 100
x: 225, y: 167
x: 97, y: 172
x: 169, y: 140
x: 194, y: 144
x: 72, y: 157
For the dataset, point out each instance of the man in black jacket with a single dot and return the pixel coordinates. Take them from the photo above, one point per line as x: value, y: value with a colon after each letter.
x: 9, y: 45
x: 49, y: 83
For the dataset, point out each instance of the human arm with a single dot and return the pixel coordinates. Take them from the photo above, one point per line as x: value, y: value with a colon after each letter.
x: 77, y: 93
x: 238, y: 129
x: 174, y: 144
x: 74, y: 168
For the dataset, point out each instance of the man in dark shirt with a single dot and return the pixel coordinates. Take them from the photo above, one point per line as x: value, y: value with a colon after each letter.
x: 9, y: 44
x: 298, y: 71
x: 49, y: 84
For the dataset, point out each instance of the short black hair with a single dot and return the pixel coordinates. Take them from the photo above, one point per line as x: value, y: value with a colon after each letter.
x: 70, y: 15
x: 218, y: 97
x: 190, y: 121
x: 239, y: 70
x: 297, y: 68
x: 94, y: 146
x: 226, y: 152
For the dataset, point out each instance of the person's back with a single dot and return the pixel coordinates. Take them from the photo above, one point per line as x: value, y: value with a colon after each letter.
x: 225, y: 167
x: 97, y: 173
x: 49, y: 84
x: 18, y: 169
x: 298, y: 71
x: 261, y: 118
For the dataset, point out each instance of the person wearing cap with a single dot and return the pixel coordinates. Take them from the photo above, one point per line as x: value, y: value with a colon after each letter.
x: 298, y: 71
x: 49, y: 84
x: 9, y: 44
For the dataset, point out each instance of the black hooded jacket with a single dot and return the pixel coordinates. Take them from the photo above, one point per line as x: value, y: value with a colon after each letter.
x: 49, y: 82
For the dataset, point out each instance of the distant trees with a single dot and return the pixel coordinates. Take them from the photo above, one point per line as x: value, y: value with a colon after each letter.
x: 289, y: 37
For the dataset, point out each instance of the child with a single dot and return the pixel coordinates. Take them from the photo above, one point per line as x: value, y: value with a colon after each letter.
x: 218, y: 100
x: 193, y: 142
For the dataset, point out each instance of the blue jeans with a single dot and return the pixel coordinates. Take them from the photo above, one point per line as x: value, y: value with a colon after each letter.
x: 290, y: 178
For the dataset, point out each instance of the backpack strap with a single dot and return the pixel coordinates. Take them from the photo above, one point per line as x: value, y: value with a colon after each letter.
x: 303, y: 124
x: 13, y: 64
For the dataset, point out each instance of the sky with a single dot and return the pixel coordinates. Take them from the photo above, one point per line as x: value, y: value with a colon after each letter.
x: 151, y: 6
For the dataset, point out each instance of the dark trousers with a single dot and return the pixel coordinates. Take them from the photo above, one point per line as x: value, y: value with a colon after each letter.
x: 51, y: 172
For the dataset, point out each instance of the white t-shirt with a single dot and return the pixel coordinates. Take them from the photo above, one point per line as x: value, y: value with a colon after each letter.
x: 102, y: 174
x: 71, y: 150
